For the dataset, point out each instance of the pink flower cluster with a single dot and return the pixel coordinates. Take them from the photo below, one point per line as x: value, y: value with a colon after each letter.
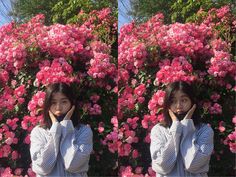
x: 123, y: 76
x: 63, y: 40
x: 95, y: 110
x: 145, y: 31
x: 58, y: 71
x: 7, y: 99
x: 221, y: 65
x: 102, y: 19
x: 150, y: 120
x: 8, y: 172
x: 132, y: 53
x: 231, y: 138
x: 215, y: 109
x: 183, y: 39
x: 127, y: 137
x: 231, y: 141
x: 98, y: 46
x: 36, y: 103
x: 130, y: 97
x: 4, y: 76
x: 156, y: 102
x: 221, y: 126
x: 111, y: 139
x: 12, y: 54
x: 132, y: 122
x: 128, y: 172
x: 212, y: 108
x: 101, y: 66
x: 217, y: 17
x: 19, y: 92
x: 126, y: 100
x: 178, y: 69
x: 29, y: 122
x: 12, y: 123
x: 8, y: 139
x: 11, y: 98
x: 215, y: 97
x: 92, y: 109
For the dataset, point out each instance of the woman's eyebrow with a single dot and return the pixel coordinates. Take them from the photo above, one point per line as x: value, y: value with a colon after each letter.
x: 65, y: 98
x: 54, y: 99
x: 184, y: 95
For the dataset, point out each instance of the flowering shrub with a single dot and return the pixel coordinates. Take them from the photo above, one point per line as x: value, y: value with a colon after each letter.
x: 32, y: 56
x: 153, y: 54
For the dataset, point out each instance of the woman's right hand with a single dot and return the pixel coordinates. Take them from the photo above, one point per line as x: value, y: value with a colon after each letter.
x: 190, y: 112
x: 172, y: 116
x: 52, y: 117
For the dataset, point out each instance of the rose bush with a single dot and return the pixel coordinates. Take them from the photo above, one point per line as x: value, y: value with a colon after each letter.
x: 32, y: 56
x: 153, y: 54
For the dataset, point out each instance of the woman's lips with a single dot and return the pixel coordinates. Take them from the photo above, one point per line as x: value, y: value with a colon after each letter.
x: 58, y: 114
x: 179, y: 112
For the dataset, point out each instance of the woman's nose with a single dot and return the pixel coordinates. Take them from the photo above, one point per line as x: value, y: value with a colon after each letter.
x: 178, y: 104
x: 58, y: 106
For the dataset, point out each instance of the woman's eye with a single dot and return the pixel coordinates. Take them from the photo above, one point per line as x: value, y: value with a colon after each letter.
x: 185, y: 100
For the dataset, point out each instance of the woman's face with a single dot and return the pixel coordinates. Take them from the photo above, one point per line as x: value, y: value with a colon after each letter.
x: 60, y: 104
x: 180, y: 102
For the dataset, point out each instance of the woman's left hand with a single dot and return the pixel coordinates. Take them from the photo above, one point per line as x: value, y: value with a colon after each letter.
x: 52, y: 117
x: 69, y: 113
x: 190, y: 112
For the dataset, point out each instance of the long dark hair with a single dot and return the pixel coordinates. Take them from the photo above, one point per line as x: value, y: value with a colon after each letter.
x: 68, y: 92
x: 170, y: 90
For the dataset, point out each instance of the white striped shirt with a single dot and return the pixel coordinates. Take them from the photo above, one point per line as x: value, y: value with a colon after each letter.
x: 181, y: 150
x: 61, y: 151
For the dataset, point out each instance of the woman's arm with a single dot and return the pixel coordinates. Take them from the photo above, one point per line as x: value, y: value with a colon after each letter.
x: 44, y: 148
x: 164, y: 147
x: 76, y: 147
x: 196, y: 148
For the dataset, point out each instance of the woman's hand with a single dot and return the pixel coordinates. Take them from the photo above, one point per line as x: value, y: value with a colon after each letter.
x: 52, y: 117
x: 172, y: 116
x: 69, y: 113
x: 190, y: 112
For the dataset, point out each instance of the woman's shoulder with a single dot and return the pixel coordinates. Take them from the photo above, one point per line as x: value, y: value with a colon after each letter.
x: 38, y: 131
x: 158, y: 127
x: 84, y: 129
x: 205, y: 128
x: 38, y: 128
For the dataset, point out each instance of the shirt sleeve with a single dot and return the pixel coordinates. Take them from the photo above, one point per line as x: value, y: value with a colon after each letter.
x: 196, y: 148
x: 44, y: 148
x: 76, y: 146
x: 164, y: 147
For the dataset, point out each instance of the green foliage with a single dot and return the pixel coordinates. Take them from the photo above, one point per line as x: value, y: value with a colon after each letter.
x: 141, y: 10
x: 23, y: 10
x: 186, y: 10
x: 58, y: 11
x: 174, y: 11
x: 65, y: 11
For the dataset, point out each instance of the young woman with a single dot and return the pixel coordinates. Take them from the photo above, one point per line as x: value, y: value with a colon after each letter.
x: 62, y: 146
x: 181, y: 145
